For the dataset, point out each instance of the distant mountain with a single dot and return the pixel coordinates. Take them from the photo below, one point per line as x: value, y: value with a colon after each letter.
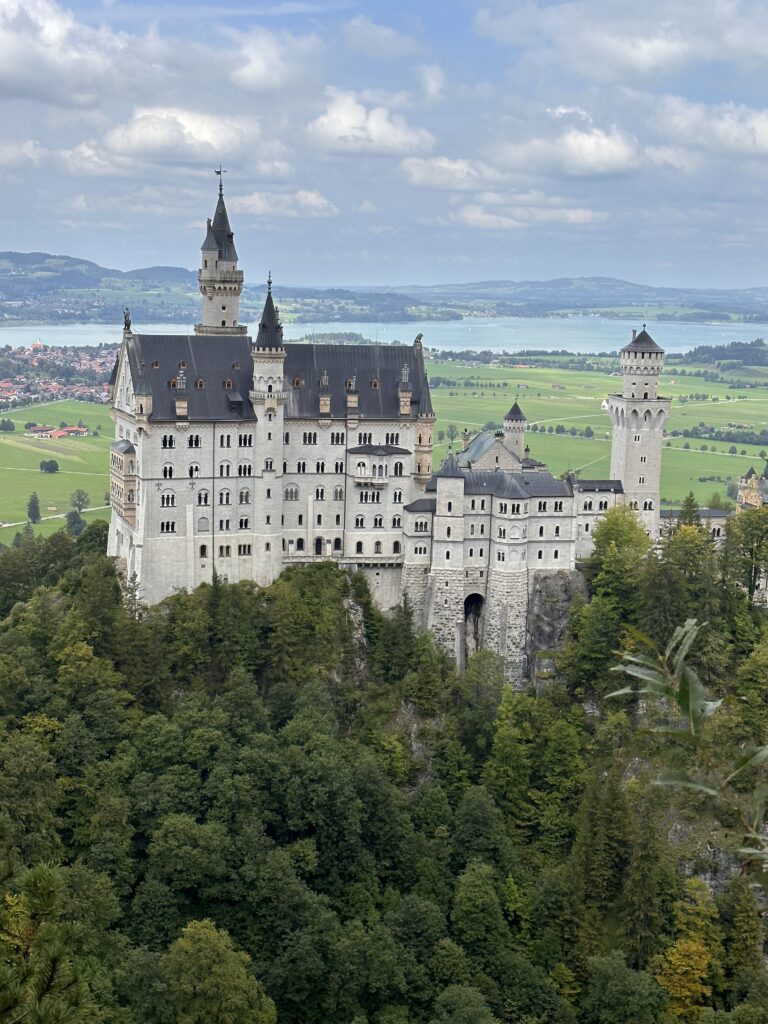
x: 41, y: 287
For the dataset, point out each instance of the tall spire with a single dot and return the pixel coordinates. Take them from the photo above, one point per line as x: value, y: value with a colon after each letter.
x: 220, y: 281
x: 270, y: 334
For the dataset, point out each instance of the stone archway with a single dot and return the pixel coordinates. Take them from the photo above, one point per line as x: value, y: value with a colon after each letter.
x: 474, y: 606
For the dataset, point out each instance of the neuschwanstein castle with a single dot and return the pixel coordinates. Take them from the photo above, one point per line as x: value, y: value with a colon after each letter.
x: 242, y: 455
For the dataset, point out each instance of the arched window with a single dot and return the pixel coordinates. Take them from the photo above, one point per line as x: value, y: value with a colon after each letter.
x: 398, y: 470
x: 541, y: 531
x: 396, y: 548
x: 338, y: 493
x: 245, y: 523
x: 193, y: 441
x: 361, y: 469
x: 337, y: 544
x: 450, y: 506
x: 169, y: 441
x: 194, y: 470
x: 378, y: 522
x: 202, y: 497
x: 359, y: 522
x: 587, y: 506
x: 291, y: 493
x: 397, y: 522
x: 225, y: 469
x: 540, y: 554
x: 203, y: 550
x: 244, y: 498
x: 397, y: 498
x: 200, y: 384
x: 300, y: 544
x: 203, y: 524
x: 225, y: 498
x: 377, y: 548
x: 359, y: 548
x: 167, y: 500
x: 167, y: 471
x: 447, y: 556
x: 319, y: 494
x: 269, y: 465
x: 244, y: 469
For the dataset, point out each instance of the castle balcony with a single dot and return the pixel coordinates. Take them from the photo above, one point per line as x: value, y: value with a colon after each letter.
x: 214, y: 276
x: 268, y: 396
x: 367, y: 480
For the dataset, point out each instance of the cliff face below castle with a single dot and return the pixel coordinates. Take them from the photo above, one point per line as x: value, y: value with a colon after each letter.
x: 549, y: 607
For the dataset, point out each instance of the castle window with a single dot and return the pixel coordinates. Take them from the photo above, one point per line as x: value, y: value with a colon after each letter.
x: 301, y: 467
x: 448, y: 533
x: 167, y: 471
x: 338, y: 493
x: 481, y: 552
x: 203, y: 550
x: 245, y: 440
x: 472, y: 530
x: 397, y: 498
x: 167, y: 500
x: 637, y: 437
x: 225, y: 498
x: 558, y: 506
x: 586, y: 527
x: 482, y: 529
x: 244, y: 469
x: 227, y: 384
x: 503, y: 507
x: 268, y: 546
x: 244, y: 498
x: 300, y: 544
x: 155, y: 365
x: 472, y: 505
x: 268, y: 520
x: 319, y: 494
x: 602, y: 506
x: 555, y: 554
x: 172, y: 383
x: 224, y: 550
x: 397, y: 522
x: 377, y: 548
x: 194, y: 470
x: 199, y: 383
x: 359, y: 522
x: 225, y: 469
x: 396, y: 548
x: 296, y: 382
x: 641, y: 480
x: 319, y: 520
x: 378, y: 522
x: 359, y: 548
x: 557, y: 531
x: 167, y: 527
x: 643, y: 458
x: 502, y: 533
x: 300, y: 519
x: 482, y: 504
x: 193, y: 441
x: 269, y: 465
x: 587, y: 506
x: 375, y: 384
x: 202, y: 497
x: 471, y: 552
x: 398, y: 470
x: 447, y: 556
x: 286, y: 438
x: 540, y: 554
x: 541, y: 531
x: 245, y: 523
x: 243, y: 549
x: 291, y: 493
x: 542, y: 506
x: 319, y: 467
x: 169, y: 441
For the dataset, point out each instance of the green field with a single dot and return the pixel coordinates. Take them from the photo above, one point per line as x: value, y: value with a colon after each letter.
x: 83, y: 463
x: 573, y: 398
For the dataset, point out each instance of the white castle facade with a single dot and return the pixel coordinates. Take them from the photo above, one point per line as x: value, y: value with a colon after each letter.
x: 240, y: 456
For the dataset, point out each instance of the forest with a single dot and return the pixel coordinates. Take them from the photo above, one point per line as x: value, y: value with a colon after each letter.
x: 255, y: 805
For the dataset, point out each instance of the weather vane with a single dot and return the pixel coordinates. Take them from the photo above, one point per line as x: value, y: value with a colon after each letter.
x: 220, y: 173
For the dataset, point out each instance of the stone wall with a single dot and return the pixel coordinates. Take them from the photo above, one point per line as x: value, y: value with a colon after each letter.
x: 505, y: 620
x: 549, y: 606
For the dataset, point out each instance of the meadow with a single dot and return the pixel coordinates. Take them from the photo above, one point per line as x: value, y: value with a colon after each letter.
x: 83, y: 463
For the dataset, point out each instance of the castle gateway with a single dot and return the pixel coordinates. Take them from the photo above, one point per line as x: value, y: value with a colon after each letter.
x: 240, y: 455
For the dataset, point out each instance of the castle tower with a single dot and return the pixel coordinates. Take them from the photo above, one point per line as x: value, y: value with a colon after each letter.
x: 220, y: 281
x: 638, y: 416
x: 514, y: 431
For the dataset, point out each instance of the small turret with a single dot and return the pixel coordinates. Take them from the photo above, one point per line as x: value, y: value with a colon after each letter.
x: 642, y: 361
x: 514, y: 431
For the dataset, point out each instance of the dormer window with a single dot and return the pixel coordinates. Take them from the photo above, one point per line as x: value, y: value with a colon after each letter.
x: 182, y: 365
x: 156, y: 365
x: 227, y: 385
x: 235, y: 366
x: 199, y: 383
x: 375, y: 384
x: 172, y: 382
x: 297, y: 382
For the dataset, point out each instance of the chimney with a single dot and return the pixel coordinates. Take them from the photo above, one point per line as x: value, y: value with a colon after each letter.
x: 465, y: 439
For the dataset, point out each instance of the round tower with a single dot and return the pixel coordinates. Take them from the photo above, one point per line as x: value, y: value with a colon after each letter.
x: 219, y: 279
x: 638, y: 416
x: 514, y: 431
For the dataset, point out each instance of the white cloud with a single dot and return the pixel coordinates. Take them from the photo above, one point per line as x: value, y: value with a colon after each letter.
x: 726, y: 127
x: 20, y: 154
x: 349, y: 126
x: 179, y: 134
x: 444, y: 173
x: 513, y: 217
x: 433, y: 82
x: 577, y: 153
x: 269, y: 61
x: 374, y: 40
x: 303, y: 203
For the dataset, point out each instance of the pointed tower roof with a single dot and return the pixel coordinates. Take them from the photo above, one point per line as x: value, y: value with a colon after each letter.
x: 270, y: 329
x: 642, y: 342
x: 450, y: 468
x: 219, y: 235
x: 425, y: 400
x: 515, y: 413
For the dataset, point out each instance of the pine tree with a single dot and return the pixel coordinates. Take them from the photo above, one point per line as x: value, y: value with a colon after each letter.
x: 33, y: 508
x: 689, y: 512
x: 643, y: 920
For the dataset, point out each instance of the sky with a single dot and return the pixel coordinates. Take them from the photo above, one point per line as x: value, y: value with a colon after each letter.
x: 392, y: 143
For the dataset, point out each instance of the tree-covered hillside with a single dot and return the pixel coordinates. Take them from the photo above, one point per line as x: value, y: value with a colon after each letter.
x: 253, y: 805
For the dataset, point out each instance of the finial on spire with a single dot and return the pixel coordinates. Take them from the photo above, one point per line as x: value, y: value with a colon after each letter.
x: 269, y: 282
x: 220, y: 173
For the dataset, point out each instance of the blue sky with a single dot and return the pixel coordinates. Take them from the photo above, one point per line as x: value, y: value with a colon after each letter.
x: 393, y: 143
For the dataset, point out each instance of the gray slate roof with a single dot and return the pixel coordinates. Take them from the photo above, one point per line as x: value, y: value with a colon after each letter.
x: 270, y: 334
x: 503, y: 484
x: 642, y: 342
x: 124, y: 446
x: 422, y: 505
x: 366, y: 364
x: 210, y: 358
x: 219, y: 234
x: 598, y: 485
x: 378, y: 449
x: 515, y: 413
x: 216, y: 358
x: 704, y: 513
